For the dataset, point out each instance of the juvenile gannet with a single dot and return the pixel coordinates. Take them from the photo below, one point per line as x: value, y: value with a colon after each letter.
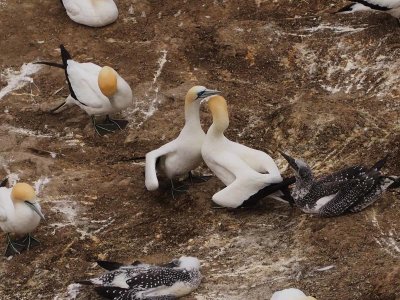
x: 143, y: 281
x: 183, y: 154
x: 291, y: 294
x: 94, y: 13
x: 391, y: 7
x: 349, y: 190
x: 243, y: 170
x: 97, y: 90
x: 20, y: 214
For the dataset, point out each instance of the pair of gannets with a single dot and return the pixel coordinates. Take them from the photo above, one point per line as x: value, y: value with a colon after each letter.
x: 94, y: 13
x: 348, y: 190
x: 20, y: 214
x: 391, y: 7
x: 242, y: 169
x: 291, y: 294
x: 143, y: 281
x: 97, y: 90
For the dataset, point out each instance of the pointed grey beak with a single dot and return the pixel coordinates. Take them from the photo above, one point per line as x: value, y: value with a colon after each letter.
x: 208, y: 93
x: 290, y: 160
x: 35, y: 207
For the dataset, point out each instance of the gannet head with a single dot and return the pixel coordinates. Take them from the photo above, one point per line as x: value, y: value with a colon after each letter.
x: 189, y: 263
x: 302, y: 170
x: 23, y: 192
x: 199, y: 93
x: 107, y: 81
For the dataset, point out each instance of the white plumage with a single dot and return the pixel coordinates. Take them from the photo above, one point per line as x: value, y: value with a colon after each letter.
x: 290, y: 294
x: 183, y: 154
x: 94, y: 13
x: 243, y: 170
x: 391, y: 7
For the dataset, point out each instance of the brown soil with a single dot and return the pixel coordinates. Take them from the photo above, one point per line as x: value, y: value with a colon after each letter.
x: 297, y: 78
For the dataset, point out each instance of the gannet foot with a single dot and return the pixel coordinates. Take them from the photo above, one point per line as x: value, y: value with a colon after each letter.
x: 180, y: 189
x: 199, y: 179
x: 103, y: 129
x: 13, y: 247
x: 120, y: 124
x: 29, y: 242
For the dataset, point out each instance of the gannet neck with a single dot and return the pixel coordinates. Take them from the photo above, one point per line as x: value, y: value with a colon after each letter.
x: 192, y: 113
x: 219, y: 110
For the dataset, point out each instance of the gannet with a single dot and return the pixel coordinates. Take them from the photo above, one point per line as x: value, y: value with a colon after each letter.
x: 20, y: 214
x: 349, y: 190
x: 242, y: 169
x: 391, y: 7
x: 291, y: 294
x: 183, y: 154
x: 97, y: 90
x: 143, y: 281
x: 94, y: 13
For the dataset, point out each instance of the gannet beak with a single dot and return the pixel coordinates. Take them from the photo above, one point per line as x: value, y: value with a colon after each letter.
x: 208, y: 93
x: 290, y: 160
x: 36, y: 208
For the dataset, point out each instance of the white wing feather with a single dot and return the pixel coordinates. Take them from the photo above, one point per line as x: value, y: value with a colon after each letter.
x: 84, y: 82
x: 151, y: 180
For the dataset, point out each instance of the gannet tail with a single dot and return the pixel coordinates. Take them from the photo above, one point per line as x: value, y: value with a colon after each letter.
x: 109, y: 265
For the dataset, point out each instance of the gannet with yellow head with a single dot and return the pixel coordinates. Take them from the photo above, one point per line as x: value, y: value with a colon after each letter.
x: 291, y: 294
x: 100, y: 91
x: 94, y: 13
x: 243, y: 170
x: 183, y: 154
x: 20, y: 214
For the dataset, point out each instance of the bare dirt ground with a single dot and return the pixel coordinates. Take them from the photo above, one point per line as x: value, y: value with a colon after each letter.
x: 297, y: 78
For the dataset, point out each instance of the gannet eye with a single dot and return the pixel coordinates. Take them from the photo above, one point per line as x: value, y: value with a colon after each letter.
x: 199, y: 94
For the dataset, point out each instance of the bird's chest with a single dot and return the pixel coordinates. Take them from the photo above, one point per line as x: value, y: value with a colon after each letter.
x: 24, y: 220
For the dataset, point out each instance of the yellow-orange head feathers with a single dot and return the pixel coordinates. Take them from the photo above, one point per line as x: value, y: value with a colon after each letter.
x: 23, y: 192
x: 108, y: 81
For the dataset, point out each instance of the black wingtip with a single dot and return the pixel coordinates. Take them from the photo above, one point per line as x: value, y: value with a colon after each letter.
x: 65, y: 56
x: 379, y: 164
x: 4, y: 183
x: 109, y: 265
x: 84, y: 282
x: 51, y: 64
x: 347, y: 8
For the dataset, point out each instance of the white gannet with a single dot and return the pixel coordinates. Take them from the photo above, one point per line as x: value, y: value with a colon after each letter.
x: 143, y: 281
x: 20, y: 214
x: 348, y: 190
x: 244, y: 170
x: 94, y: 13
x: 97, y: 90
x: 183, y: 154
x: 290, y: 294
x: 391, y: 7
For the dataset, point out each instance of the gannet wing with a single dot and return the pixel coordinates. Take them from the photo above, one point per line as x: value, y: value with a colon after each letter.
x: 151, y: 180
x: 84, y: 82
x: 380, y: 3
x: 71, y: 7
x: 350, y: 194
x: 247, y: 181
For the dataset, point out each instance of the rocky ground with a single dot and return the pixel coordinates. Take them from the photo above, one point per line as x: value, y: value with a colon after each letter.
x: 297, y: 78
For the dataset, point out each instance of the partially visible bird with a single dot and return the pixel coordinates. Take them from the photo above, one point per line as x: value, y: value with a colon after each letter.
x: 143, y: 281
x: 183, y: 154
x: 20, y: 214
x: 348, y: 190
x: 391, y: 7
x: 100, y: 91
x: 243, y: 170
x: 94, y: 13
x: 291, y: 294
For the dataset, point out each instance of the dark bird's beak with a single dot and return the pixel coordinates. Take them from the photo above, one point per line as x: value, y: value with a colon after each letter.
x: 35, y: 207
x: 291, y: 160
x: 208, y: 93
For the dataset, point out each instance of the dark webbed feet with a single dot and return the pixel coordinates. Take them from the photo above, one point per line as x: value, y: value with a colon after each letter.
x: 179, y: 189
x: 30, y: 242
x: 198, y: 179
x: 13, y: 247
x: 109, y: 125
